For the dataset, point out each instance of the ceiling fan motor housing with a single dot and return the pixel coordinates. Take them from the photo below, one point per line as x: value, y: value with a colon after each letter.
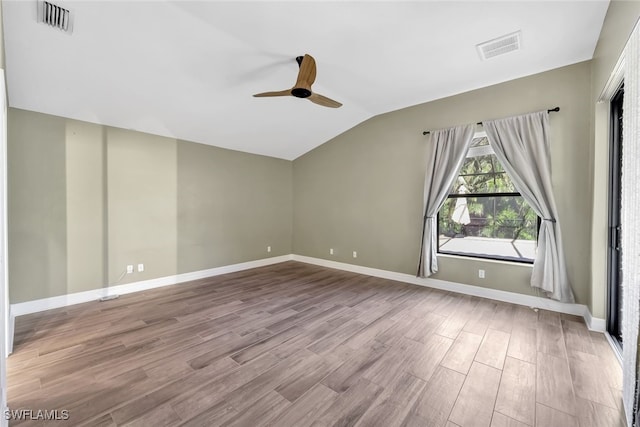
x: 300, y: 92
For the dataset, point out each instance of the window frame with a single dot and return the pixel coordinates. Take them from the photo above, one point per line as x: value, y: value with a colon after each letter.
x: 484, y: 195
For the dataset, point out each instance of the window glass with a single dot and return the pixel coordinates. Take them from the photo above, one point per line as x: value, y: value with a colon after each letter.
x: 484, y: 215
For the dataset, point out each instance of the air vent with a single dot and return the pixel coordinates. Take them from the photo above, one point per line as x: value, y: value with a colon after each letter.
x: 55, y: 16
x: 500, y: 46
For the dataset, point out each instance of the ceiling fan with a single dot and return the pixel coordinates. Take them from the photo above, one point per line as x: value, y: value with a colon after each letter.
x: 302, y: 88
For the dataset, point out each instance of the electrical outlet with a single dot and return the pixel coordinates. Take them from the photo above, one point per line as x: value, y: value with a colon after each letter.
x: 331, y: 251
x: 481, y: 274
x: 355, y: 254
x: 129, y: 269
x: 140, y: 268
x: 268, y: 248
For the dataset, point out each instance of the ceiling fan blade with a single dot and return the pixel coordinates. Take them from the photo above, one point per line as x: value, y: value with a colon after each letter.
x: 324, y: 101
x: 307, y: 73
x: 285, y: 92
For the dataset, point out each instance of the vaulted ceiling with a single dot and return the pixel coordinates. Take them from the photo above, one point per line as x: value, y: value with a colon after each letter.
x: 187, y: 69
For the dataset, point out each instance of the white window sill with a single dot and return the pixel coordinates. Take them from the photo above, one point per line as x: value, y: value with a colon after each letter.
x: 487, y: 260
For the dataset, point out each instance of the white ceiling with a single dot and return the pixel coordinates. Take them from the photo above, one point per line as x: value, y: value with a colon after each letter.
x: 188, y: 69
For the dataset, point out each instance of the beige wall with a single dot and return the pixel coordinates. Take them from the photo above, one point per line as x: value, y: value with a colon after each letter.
x: 234, y: 222
x: 37, y: 206
x: 363, y: 190
x: 619, y: 22
x: 86, y: 200
x: 141, y: 205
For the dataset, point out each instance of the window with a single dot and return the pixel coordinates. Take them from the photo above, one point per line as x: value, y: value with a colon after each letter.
x: 484, y: 216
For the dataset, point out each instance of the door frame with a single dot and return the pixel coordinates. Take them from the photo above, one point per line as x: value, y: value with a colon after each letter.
x: 6, y: 329
x: 608, y: 93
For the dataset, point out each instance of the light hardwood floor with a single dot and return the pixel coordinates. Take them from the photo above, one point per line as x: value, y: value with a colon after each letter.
x: 299, y: 345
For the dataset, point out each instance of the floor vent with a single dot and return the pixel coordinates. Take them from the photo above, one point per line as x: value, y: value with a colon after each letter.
x: 55, y: 16
x: 500, y: 46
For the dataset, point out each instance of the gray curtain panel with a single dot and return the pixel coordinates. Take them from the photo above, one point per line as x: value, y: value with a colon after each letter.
x: 446, y: 151
x: 521, y: 144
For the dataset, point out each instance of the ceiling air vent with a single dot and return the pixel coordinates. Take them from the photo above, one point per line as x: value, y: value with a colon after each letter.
x: 55, y: 16
x: 500, y: 46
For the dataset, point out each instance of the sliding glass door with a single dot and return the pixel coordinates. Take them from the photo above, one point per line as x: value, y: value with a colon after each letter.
x: 614, y: 288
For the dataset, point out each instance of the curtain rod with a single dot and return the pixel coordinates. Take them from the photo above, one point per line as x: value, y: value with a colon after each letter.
x: 552, y: 110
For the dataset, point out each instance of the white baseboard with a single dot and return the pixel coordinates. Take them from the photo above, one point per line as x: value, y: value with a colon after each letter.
x: 19, y: 309
x: 35, y: 306
x: 594, y: 324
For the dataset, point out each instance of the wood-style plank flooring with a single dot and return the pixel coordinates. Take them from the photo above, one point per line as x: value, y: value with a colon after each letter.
x: 299, y: 345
